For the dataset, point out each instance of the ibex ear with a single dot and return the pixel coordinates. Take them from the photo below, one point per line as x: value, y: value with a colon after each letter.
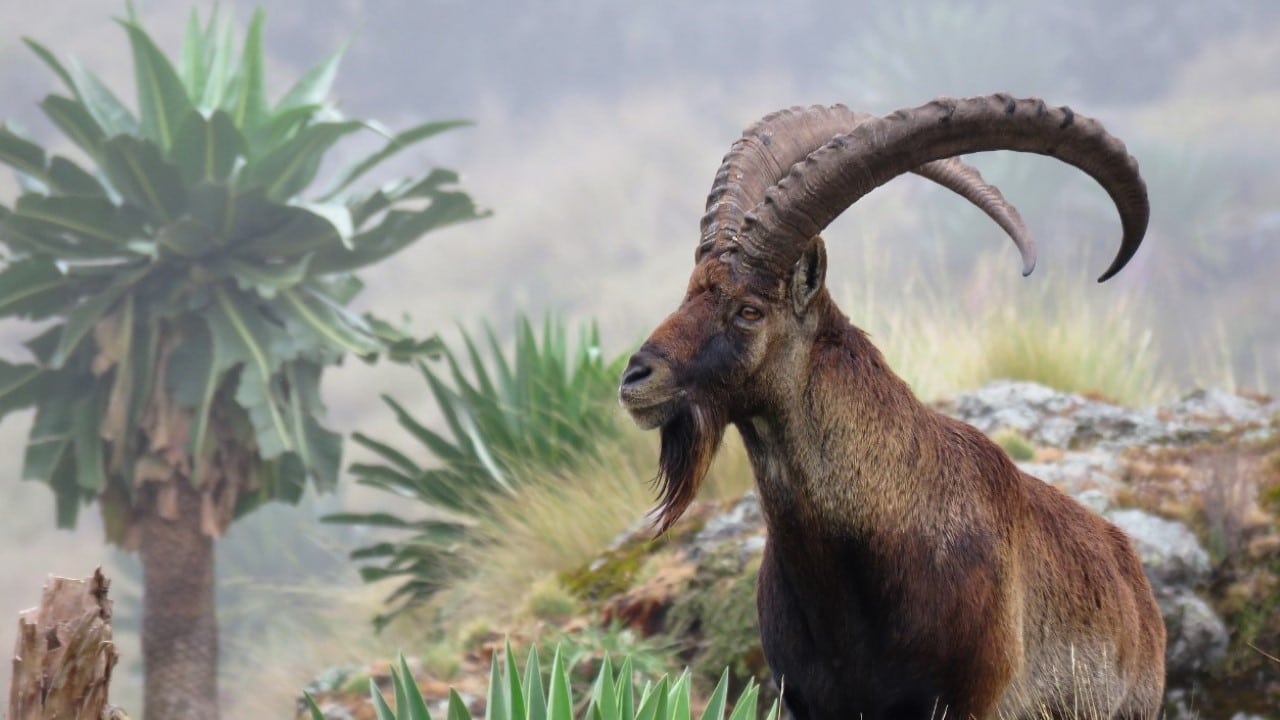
x: 808, y: 275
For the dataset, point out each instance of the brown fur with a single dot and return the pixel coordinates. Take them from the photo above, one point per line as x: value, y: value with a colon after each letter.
x: 910, y: 568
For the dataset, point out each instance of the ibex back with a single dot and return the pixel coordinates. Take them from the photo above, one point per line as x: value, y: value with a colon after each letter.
x: 911, y: 570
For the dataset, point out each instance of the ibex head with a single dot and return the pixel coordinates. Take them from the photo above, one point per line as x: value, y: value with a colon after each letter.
x: 740, y: 341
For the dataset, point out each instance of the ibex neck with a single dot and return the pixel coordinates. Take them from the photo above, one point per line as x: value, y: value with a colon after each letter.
x: 837, y: 454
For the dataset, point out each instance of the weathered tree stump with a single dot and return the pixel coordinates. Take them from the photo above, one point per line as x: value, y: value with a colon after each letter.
x: 63, y: 659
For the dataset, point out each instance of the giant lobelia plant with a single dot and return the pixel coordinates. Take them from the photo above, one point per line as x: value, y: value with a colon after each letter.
x: 193, y: 287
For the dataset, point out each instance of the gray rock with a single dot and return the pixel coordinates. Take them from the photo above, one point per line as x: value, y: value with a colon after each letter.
x: 1223, y: 407
x: 1175, y: 564
x: 1098, y: 422
x: 1094, y: 499
x: 1052, y: 418
x: 1078, y: 472
x: 334, y: 711
x: 1170, y: 552
x: 740, y: 524
x: 1197, y: 636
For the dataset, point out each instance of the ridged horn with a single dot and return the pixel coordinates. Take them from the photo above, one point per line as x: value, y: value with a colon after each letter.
x: 768, y: 149
x: 830, y: 179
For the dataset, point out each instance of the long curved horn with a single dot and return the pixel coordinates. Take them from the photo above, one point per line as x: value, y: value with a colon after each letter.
x: 769, y: 148
x: 830, y: 179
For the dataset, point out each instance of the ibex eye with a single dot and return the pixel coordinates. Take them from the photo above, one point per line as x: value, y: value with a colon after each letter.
x: 750, y: 314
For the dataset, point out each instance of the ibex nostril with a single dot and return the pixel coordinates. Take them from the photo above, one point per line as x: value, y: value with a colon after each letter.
x: 637, y: 370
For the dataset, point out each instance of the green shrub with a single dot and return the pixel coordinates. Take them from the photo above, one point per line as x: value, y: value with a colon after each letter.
x: 1016, y: 444
x: 513, y: 696
x: 544, y: 411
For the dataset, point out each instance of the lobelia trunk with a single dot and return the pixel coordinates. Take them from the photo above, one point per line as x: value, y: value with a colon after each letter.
x: 179, y: 625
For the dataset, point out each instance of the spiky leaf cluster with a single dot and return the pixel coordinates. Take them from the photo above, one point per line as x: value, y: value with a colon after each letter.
x: 193, y: 281
x: 513, y: 696
x: 545, y: 409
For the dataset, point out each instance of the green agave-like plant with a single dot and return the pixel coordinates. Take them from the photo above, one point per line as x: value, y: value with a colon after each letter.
x: 546, y: 409
x: 613, y: 696
x: 195, y: 284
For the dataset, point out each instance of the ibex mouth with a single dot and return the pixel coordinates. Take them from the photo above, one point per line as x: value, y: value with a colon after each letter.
x: 648, y: 391
x: 648, y: 417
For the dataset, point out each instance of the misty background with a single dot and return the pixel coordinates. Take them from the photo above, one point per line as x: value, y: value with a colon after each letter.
x: 598, y: 127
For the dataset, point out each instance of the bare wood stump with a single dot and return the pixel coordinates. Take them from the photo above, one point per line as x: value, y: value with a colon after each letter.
x: 63, y: 659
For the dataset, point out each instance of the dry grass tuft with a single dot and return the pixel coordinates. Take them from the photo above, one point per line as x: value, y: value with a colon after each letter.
x: 562, y: 521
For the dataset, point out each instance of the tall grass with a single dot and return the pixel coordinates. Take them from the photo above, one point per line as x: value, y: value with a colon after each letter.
x: 1058, y: 329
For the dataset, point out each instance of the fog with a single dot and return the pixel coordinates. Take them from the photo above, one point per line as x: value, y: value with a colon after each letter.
x: 598, y: 127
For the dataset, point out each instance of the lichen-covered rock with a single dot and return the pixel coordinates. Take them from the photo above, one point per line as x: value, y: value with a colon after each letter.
x: 1078, y: 472
x: 1197, y: 636
x: 1049, y: 417
x: 741, y: 525
x: 1171, y: 554
x: 1068, y: 420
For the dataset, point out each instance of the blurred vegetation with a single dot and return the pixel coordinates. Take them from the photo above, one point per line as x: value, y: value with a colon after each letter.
x: 545, y: 410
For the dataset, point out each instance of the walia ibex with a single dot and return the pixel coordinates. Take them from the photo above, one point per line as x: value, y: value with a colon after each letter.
x: 911, y: 570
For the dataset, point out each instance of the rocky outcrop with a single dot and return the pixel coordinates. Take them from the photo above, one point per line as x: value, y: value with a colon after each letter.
x: 1195, y: 484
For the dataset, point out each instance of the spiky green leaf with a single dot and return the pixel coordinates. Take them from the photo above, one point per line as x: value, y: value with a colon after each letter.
x: 380, y: 708
x: 319, y: 449
x: 102, y: 105
x: 534, y: 696
x: 313, y: 87
x: 366, y: 206
x: 137, y: 169
x: 21, y: 386
x: 162, y: 98
x: 86, y: 419
x: 400, y: 141
x: 185, y: 238
x: 312, y: 708
x: 21, y: 154
x: 745, y: 708
x: 32, y: 288
x: 218, y: 58
x: 71, y: 117
x: 241, y: 329
x: 269, y: 230
x: 266, y: 279
x: 560, y: 705
x: 52, y: 61
x: 50, y: 435
x: 83, y: 317
x: 719, y: 699
x: 67, y: 178
x: 311, y: 312
x: 206, y: 149
x: 457, y: 708
x: 246, y: 98
x: 284, y: 171
x: 398, y: 230
x: 191, y: 61
x: 93, y: 224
